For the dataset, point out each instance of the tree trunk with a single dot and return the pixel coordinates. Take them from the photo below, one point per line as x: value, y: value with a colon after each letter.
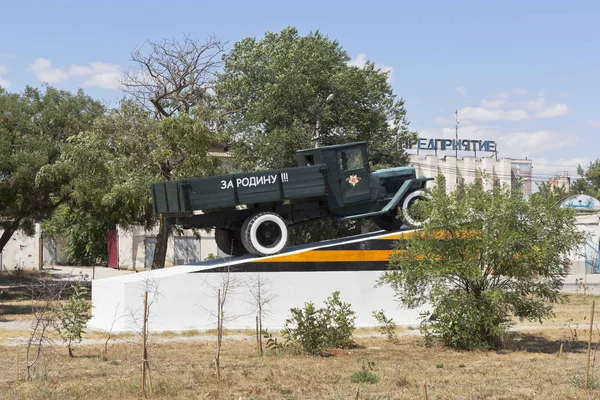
x: 7, y: 234
x: 160, y: 251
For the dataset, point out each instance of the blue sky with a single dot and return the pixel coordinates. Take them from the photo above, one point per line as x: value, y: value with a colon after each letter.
x: 523, y: 73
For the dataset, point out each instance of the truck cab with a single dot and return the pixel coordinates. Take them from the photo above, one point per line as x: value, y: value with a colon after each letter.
x: 348, y: 173
x: 351, y: 184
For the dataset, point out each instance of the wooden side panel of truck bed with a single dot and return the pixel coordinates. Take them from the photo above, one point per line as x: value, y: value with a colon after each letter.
x: 226, y: 191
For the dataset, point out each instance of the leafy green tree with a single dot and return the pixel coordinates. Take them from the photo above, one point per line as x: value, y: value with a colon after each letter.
x: 281, y: 91
x: 111, y: 168
x: 483, y: 257
x: 589, y: 183
x: 287, y: 92
x: 34, y: 125
x: 85, y: 234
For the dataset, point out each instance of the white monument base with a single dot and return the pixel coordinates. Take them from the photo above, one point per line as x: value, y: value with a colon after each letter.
x: 185, y: 297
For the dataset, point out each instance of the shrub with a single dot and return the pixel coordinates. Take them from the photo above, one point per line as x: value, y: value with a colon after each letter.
x: 388, y: 326
x: 73, y: 316
x: 465, y: 321
x: 365, y: 375
x: 316, y: 329
x: 339, y: 319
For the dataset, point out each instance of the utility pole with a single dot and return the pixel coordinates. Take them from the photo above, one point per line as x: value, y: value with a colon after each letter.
x: 456, y: 146
x: 456, y: 142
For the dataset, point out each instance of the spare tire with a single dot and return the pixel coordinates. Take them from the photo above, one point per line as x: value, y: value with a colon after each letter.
x: 412, y: 218
x: 264, y: 234
x: 229, y: 241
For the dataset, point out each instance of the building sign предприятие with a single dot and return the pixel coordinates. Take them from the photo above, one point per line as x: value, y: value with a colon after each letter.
x: 453, y: 144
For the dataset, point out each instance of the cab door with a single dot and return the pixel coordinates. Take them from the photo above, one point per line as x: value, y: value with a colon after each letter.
x: 353, y: 171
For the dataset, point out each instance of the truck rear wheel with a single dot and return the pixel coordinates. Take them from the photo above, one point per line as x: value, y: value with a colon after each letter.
x: 264, y: 234
x: 413, y: 216
x: 229, y: 241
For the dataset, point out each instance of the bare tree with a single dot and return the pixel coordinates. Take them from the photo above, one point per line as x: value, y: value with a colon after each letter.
x: 261, y: 296
x: 44, y: 294
x: 172, y: 77
x: 223, y: 289
x: 109, y: 332
x: 227, y: 286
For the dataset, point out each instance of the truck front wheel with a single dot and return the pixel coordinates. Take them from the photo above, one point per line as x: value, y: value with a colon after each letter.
x: 413, y: 216
x: 229, y: 241
x: 264, y: 234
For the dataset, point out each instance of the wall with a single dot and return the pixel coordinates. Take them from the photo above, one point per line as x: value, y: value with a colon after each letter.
x: 184, y: 300
x: 181, y: 249
x: 22, y: 251
x: 468, y: 169
x: 588, y: 223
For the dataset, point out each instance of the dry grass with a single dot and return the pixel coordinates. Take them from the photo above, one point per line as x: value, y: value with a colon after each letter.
x: 526, y: 368
x: 576, y: 310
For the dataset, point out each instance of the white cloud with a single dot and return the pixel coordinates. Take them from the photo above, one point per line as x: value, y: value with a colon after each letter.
x: 524, y: 144
x: 472, y: 132
x: 542, y: 110
x: 536, y: 104
x: 43, y: 70
x: 594, y: 123
x: 494, y: 103
x: 553, y: 111
x: 487, y: 114
x: 96, y: 74
x: 3, y: 82
x: 511, y: 105
x: 545, y: 169
x: 461, y: 90
x: 361, y: 61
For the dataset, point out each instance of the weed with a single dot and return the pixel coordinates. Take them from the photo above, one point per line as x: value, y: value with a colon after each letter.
x: 365, y: 375
x: 388, y: 326
x: 401, y: 381
x: 578, y: 381
x: 440, y: 365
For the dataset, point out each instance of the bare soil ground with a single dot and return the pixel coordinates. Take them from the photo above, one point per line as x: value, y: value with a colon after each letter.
x: 528, y: 366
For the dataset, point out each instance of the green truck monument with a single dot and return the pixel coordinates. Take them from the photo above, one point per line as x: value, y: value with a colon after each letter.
x: 251, y: 211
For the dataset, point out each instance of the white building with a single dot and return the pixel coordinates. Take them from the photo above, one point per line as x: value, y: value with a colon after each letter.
x: 469, y: 169
x: 136, y: 247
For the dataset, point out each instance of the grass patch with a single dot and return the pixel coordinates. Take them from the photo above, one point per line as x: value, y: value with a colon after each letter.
x: 578, y: 381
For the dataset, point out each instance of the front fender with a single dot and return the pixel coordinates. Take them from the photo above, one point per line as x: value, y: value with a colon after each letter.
x: 407, y: 187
